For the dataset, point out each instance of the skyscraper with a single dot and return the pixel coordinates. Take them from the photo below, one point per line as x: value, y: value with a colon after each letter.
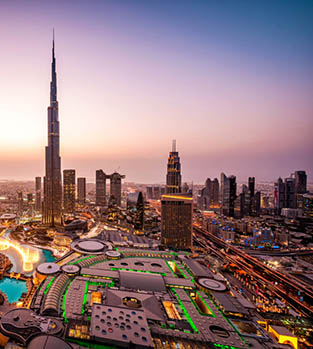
x: 254, y: 198
x: 251, y: 186
x: 257, y: 203
x: 30, y: 199
x: 279, y: 195
x: 223, y: 180
x: 52, y: 205
x: 156, y: 192
x: 290, y: 193
x: 245, y: 201
x: 20, y: 203
x: 204, y: 198
x: 301, y: 180
x: 136, y: 207
x: 229, y: 194
x: 176, y: 220
x: 214, y: 191
x: 69, y: 190
x: 149, y: 192
x: 173, y: 177
x: 301, y: 187
x: 116, y: 187
x: 100, y: 188
x: 285, y: 194
x: 38, y: 194
x: 81, y: 190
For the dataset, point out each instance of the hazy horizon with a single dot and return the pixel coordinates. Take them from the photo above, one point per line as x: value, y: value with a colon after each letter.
x: 232, y: 82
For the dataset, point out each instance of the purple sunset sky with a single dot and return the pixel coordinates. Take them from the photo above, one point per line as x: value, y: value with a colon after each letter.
x: 231, y: 81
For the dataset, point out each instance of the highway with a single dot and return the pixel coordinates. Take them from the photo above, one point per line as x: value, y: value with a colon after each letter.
x: 276, y: 282
x: 306, y: 252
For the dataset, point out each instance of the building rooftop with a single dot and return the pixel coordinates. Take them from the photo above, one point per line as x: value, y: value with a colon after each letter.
x: 130, y: 297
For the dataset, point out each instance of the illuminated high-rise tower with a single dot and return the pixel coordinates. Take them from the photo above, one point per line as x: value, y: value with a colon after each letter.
x: 38, y: 194
x: 81, y: 190
x: 173, y: 177
x: 116, y: 187
x: 69, y: 191
x: 100, y: 188
x: 52, y: 205
x: 176, y: 220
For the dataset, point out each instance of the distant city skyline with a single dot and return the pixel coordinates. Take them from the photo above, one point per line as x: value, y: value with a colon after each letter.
x: 133, y: 76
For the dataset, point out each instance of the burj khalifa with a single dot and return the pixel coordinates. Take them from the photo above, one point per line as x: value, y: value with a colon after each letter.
x: 52, y: 203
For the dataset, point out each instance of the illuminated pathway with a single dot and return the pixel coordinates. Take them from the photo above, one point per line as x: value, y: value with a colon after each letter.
x: 29, y: 256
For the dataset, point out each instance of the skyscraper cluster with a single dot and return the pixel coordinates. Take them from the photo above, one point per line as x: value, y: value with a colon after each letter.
x: 288, y: 193
x: 209, y: 195
x: 177, y: 203
x: 154, y: 192
x: 250, y: 200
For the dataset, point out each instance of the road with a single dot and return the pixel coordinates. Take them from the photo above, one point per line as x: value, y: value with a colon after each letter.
x: 277, y: 282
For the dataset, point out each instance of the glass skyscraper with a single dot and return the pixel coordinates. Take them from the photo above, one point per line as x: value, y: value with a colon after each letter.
x: 52, y: 205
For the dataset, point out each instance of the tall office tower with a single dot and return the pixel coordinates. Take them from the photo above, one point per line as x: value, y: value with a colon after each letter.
x: 29, y: 199
x: 116, y: 187
x: 214, y: 191
x: 257, y: 203
x: 244, y: 201
x: 255, y: 199
x: 301, y: 180
x: 176, y: 220
x: 149, y: 192
x: 279, y: 195
x: 81, y: 190
x: 156, y: 192
x: 290, y: 193
x: 251, y: 185
x: 208, y: 187
x: 232, y: 194
x: 136, y: 208
x: 100, y: 188
x: 285, y: 194
x: 20, y: 203
x: 30, y: 204
x: 173, y: 177
x: 229, y: 194
x: 237, y: 207
x: 221, y: 194
x: 69, y: 190
x: 38, y: 194
x: 205, y: 195
x: 52, y: 204
x: 301, y: 187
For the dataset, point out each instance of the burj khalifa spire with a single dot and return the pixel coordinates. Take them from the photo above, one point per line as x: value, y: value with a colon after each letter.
x: 52, y: 204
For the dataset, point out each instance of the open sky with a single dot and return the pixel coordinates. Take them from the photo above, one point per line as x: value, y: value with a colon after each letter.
x: 231, y: 81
